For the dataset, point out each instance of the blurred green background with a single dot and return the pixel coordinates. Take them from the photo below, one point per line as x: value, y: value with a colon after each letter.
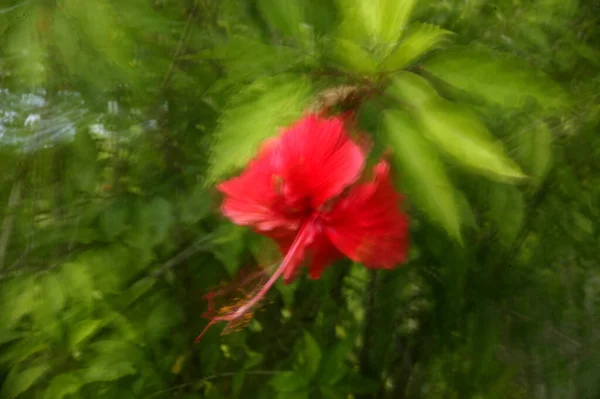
x: 117, y: 118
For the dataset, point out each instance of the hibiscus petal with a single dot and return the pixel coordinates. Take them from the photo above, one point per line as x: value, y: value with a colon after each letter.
x: 252, y: 199
x: 318, y: 160
x: 322, y: 253
x: 368, y: 226
x: 319, y: 252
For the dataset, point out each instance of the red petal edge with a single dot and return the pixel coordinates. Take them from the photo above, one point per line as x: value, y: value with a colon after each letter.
x: 368, y: 225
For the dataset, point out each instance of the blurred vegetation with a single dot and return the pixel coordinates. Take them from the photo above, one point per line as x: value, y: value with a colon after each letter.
x: 117, y: 118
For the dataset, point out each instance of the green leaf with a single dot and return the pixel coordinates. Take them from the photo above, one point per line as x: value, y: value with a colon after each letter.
x: 380, y: 21
x: 286, y: 16
x: 18, y: 298
x: 228, y: 247
x: 309, y: 356
x: 21, y: 350
x: 583, y: 223
x: 197, y: 206
x: 422, y: 172
x: 256, y: 115
x: 535, y: 151
x: 77, y: 276
x: 158, y: 215
x: 63, y: 385
x: 247, y: 58
x: 456, y: 131
x: 53, y: 293
x: 253, y: 359
x: 139, y: 288
x: 419, y: 40
x: 289, y: 381
x: 113, y: 220
x: 19, y: 381
x: 106, y: 368
x: 412, y: 90
x: 332, y: 368
x: 82, y: 331
x: 507, y: 207
x: 496, y: 78
x: 353, y: 58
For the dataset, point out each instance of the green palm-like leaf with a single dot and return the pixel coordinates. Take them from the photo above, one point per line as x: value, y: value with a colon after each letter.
x: 496, y: 78
x: 422, y: 171
x: 258, y: 112
x: 420, y: 39
x: 379, y: 21
x: 454, y: 129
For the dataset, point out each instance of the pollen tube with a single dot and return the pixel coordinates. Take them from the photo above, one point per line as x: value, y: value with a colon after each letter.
x: 290, y: 260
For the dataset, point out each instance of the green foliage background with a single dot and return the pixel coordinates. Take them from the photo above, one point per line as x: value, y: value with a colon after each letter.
x: 118, y: 117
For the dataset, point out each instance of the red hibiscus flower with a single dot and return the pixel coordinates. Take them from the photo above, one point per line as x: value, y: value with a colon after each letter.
x: 302, y: 190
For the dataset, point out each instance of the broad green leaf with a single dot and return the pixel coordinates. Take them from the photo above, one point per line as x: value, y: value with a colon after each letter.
x: 535, y: 150
x: 19, y: 381
x: 394, y: 18
x: 253, y: 359
x: 287, y: 292
x: 354, y: 58
x: 422, y: 172
x: 54, y: 295
x: 381, y: 21
x: 456, y: 130
x: 310, y: 355
x: 139, y: 288
x: 107, y: 368
x: 77, y: 276
x: 247, y: 58
x: 258, y: 113
x: 286, y: 16
x: 82, y: 331
x: 507, y: 208
x: 120, y: 349
x: 412, y: 90
x: 496, y: 78
x: 583, y: 223
x: 113, y: 220
x: 158, y: 215
x: 322, y: 15
x: 18, y: 298
x: 21, y: 350
x: 196, y: 206
x: 289, y: 381
x: 420, y: 39
x: 228, y: 247
x: 63, y: 385
x: 332, y: 368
